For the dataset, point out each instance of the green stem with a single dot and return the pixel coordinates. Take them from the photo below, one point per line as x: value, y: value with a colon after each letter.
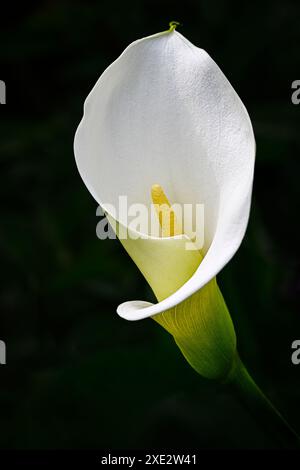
x: 262, y: 409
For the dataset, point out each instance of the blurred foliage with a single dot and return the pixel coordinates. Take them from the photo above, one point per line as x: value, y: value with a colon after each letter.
x: 77, y: 376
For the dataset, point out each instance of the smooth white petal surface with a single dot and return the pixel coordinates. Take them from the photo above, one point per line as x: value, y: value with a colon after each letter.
x: 164, y: 113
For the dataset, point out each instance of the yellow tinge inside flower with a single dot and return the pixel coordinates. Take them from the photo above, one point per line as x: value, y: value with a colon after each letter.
x: 166, y: 215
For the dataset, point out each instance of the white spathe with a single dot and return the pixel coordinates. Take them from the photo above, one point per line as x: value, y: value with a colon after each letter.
x: 164, y: 113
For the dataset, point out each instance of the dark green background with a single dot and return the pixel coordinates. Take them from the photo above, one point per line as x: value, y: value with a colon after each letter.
x: 78, y: 376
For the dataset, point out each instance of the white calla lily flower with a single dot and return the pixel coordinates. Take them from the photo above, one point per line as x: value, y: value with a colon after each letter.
x: 164, y: 112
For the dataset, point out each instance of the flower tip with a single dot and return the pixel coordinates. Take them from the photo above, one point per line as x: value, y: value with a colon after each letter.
x: 173, y: 25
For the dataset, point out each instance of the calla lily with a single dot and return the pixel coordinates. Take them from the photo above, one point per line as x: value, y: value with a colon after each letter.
x: 164, y: 112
